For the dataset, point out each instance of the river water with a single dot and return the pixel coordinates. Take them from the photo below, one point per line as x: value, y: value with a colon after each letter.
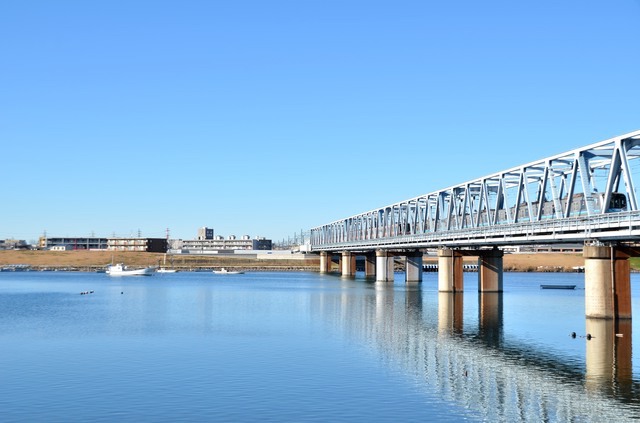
x: 304, y: 347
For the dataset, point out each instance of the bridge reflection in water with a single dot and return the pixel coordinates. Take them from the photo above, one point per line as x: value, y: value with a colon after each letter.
x: 476, y: 369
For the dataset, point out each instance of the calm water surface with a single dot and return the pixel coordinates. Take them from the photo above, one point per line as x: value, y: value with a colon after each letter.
x: 302, y: 347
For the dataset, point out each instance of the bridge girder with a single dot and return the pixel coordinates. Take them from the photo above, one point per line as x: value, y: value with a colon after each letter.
x: 586, y: 183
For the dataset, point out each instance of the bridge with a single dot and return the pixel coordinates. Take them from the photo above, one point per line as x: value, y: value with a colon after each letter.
x: 586, y: 195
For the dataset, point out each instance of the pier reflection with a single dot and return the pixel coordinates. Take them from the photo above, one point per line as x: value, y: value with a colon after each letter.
x: 478, y: 369
x: 609, y: 368
x: 490, y: 318
x: 450, y: 312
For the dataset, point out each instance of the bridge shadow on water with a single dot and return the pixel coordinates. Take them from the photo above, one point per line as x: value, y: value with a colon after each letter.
x: 478, y: 367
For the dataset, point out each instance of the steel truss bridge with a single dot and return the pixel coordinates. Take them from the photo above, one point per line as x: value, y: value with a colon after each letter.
x: 584, y: 195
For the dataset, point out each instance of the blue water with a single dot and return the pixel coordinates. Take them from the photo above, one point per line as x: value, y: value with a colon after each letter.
x: 300, y: 347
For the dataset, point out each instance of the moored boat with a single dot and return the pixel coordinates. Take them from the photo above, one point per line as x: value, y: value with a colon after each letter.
x: 165, y: 269
x: 558, y: 286
x: 121, y: 270
x: 224, y: 271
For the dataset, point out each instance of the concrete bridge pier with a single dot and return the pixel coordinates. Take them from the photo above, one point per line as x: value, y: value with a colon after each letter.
x: 325, y: 262
x: 348, y: 264
x: 490, y: 270
x: 449, y: 270
x: 607, y: 282
x: 413, y: 267
x: 370, y: 266
x: 384, y: 266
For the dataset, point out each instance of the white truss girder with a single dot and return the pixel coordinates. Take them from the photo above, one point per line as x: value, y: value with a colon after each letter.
x: 540, y: 191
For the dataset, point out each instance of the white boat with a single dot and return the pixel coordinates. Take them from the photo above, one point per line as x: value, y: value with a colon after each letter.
x: 224, y: 271
x: 165, y: 269
x: 122, y: 270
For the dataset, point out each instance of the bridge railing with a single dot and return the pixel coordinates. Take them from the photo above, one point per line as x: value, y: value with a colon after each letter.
x: 621, y: 226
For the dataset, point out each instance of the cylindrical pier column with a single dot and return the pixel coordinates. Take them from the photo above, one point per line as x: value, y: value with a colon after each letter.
x: 598, y: 288
x: 621, y: 285
x: 325, y: 262
x: 490, y: 271
x: 607, y: 283
x: 413, y: 267
x: 348, y: 264
x: 450, y: 277
x: 370, y: 266
x: 384, y: 266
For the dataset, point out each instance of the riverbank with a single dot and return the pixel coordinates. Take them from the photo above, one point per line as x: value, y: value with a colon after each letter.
x: 538, y: 262
x: 92, y: 260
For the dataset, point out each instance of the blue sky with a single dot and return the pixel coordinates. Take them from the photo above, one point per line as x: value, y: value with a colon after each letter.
x: 270, y: 117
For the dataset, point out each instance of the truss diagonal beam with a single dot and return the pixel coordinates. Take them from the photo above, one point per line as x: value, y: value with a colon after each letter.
x: 506, y: 198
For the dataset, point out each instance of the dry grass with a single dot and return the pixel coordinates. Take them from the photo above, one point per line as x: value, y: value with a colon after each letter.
x: 82, y: 259
x: 540, y: 262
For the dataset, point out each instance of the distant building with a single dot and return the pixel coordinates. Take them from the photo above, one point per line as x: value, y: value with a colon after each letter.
x: 550, y: 248
x: 205, y: 233
x: 262, y: 244
x: 157, y: 245
x: 230, y: 243
x: 72, y: 243
x: 151, y: 245
x: 13, y: 244
x: 207, y: 242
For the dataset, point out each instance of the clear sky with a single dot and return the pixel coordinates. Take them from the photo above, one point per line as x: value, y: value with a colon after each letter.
x: 266, y: 117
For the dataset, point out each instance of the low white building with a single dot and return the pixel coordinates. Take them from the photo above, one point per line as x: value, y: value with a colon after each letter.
x: 219, y: 243
x: 206, y: 242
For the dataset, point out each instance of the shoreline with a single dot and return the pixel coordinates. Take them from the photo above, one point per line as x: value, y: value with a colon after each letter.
x: 96, y: 269
x: 95, y: 260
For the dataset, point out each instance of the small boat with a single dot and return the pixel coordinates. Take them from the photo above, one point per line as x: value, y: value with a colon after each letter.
x: 224, y: 271
x: 558, y: 286
x: 16, y: 268
x: 164, y: 268
x: 122, y: 270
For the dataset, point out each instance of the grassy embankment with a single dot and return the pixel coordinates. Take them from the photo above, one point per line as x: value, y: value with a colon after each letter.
x: 86, y: 260
x: 541, y: 262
